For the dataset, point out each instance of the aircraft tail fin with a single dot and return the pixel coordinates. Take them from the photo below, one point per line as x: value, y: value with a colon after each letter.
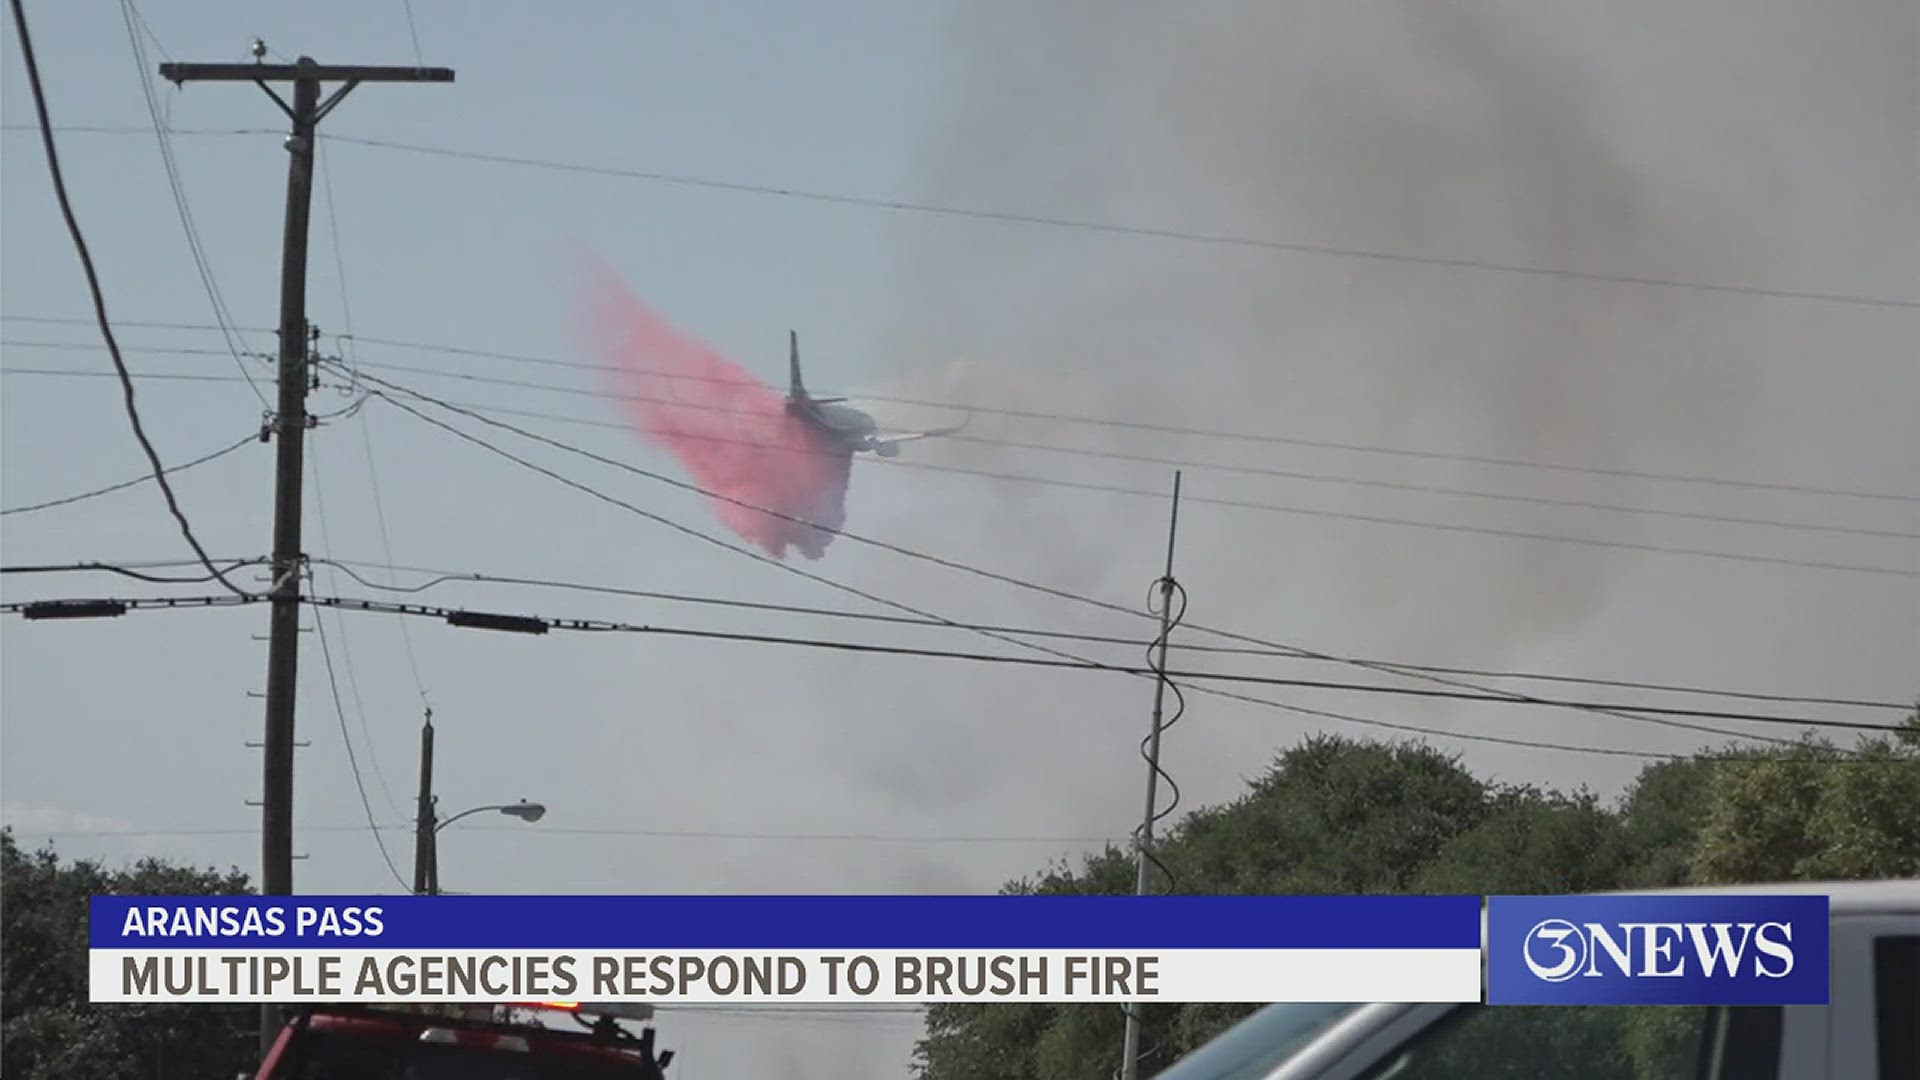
x: 796, y: 390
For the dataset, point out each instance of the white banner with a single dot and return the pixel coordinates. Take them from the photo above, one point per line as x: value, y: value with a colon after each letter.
x: 709, y: 976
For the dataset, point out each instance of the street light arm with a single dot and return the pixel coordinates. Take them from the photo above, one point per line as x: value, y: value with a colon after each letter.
x: 523, y: 810
x: 465, y: 813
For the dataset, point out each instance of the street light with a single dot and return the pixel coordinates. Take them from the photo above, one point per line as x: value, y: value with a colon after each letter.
x: 426, y: 849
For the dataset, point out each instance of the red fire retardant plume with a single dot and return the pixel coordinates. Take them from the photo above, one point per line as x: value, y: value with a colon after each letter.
x: 730, y: 431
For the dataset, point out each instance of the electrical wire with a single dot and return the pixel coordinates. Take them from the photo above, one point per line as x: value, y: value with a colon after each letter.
x: 157, y: 376
x: 1247, y: 504
x: 609, y: 626
x: 1198, y: 432
x: 346, y: 739
x: 1536, y: 744
x: 1080, y: 225
x: 602, y: 626
x: 911, y: 610
x: 124, y: 484
x: 1097, y: 421
x: 147, y: 603
x: 346, y: 652
x: 130, y: 572
x: 99, y: 300
x: 413, y: 30
x: 438, y: 577
x: 1123, y: 229
x: 111, y: 129
x: 967, y: 568
x: 201, y: 263
x: 616, y: 832
x: 1323, y: 714
x: 366, y: 428
x: 1167, y: 429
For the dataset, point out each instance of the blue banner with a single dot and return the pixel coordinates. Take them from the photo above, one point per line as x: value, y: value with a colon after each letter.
x: 1680, y: 949
x: 786, y: 922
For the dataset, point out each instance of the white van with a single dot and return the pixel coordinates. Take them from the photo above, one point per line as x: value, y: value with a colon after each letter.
x: 1869, y: 1031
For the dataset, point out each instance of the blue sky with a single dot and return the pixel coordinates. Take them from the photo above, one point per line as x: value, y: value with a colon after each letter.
x: 1643, y: 142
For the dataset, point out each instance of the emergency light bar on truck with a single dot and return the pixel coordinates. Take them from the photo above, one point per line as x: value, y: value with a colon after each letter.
x: 638, y: 1011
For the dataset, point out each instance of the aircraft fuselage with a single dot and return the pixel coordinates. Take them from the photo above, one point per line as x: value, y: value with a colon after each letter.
x: 848, y: 426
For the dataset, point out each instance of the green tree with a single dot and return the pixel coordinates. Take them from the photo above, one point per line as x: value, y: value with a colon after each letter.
x: 1529, y: 841
x: 1659, y: 823
x: 1814, y: 812
x: 1330, y: 816
x: 1338, y: 816
x: 50, y: 1030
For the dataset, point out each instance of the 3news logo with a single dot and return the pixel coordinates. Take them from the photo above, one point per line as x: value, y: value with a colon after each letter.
x: 1657, y: 950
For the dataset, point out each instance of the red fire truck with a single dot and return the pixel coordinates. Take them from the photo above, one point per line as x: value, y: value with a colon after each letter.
x: 486, y: 1043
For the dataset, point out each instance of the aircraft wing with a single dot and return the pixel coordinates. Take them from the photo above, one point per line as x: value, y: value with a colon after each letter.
x: 889, y: 445
x: 910, y: 436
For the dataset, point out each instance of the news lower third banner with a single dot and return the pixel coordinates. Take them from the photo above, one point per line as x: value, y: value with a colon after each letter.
x: 796, y: 949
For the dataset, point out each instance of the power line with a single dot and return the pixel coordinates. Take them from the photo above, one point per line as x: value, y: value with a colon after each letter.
x: 1083, y: 419
x: 1244, y: 504
x: 346, y: 739
x: 136, y: 571
x: 139, y: 324
x: 909, y: 609
x: 1198, y: 432
x: 153, y: 376
x: 529, y: 623
x: 346, y: 652
x: 99, y: 300
x: 945, y: 562
x: 621, y: 831
x: 124, y: 484
x: 439, y: 577
x: 1082, y: 225
x: 111, y: 129
x: 150, y: 603
x: 1277, y: 508
x: 1286, y: 474
x: 201, y: 263
x: 366, y: 427
x: 413, y: 30
x: 804, y: 573
x: 1123, y: 229
x: 1437, y: 489
x: 609, y: 626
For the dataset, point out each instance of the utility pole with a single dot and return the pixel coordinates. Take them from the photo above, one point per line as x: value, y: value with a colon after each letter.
x: 1143, y: 841
x: 289, y: 424
x: 426, y: 861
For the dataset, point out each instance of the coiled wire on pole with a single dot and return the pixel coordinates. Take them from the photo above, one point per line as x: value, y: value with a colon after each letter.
x: 1166, y: 598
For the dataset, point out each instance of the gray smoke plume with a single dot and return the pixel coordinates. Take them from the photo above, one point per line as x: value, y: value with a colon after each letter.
x: 1544, y: 136
x: 1740, y: 141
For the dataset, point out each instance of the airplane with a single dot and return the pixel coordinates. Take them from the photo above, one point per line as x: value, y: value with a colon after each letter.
x: 849, y: 426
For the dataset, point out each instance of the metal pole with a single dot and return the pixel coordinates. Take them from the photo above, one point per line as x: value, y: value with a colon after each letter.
x: 1130, y: 1050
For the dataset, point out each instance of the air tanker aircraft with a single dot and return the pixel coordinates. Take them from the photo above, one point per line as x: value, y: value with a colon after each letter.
x: 848, y: 426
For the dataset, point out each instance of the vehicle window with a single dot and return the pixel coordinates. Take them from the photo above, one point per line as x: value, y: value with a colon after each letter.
x: 1896, y: 995
x: 1479, y: 1042
x: 1254, y: 1046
